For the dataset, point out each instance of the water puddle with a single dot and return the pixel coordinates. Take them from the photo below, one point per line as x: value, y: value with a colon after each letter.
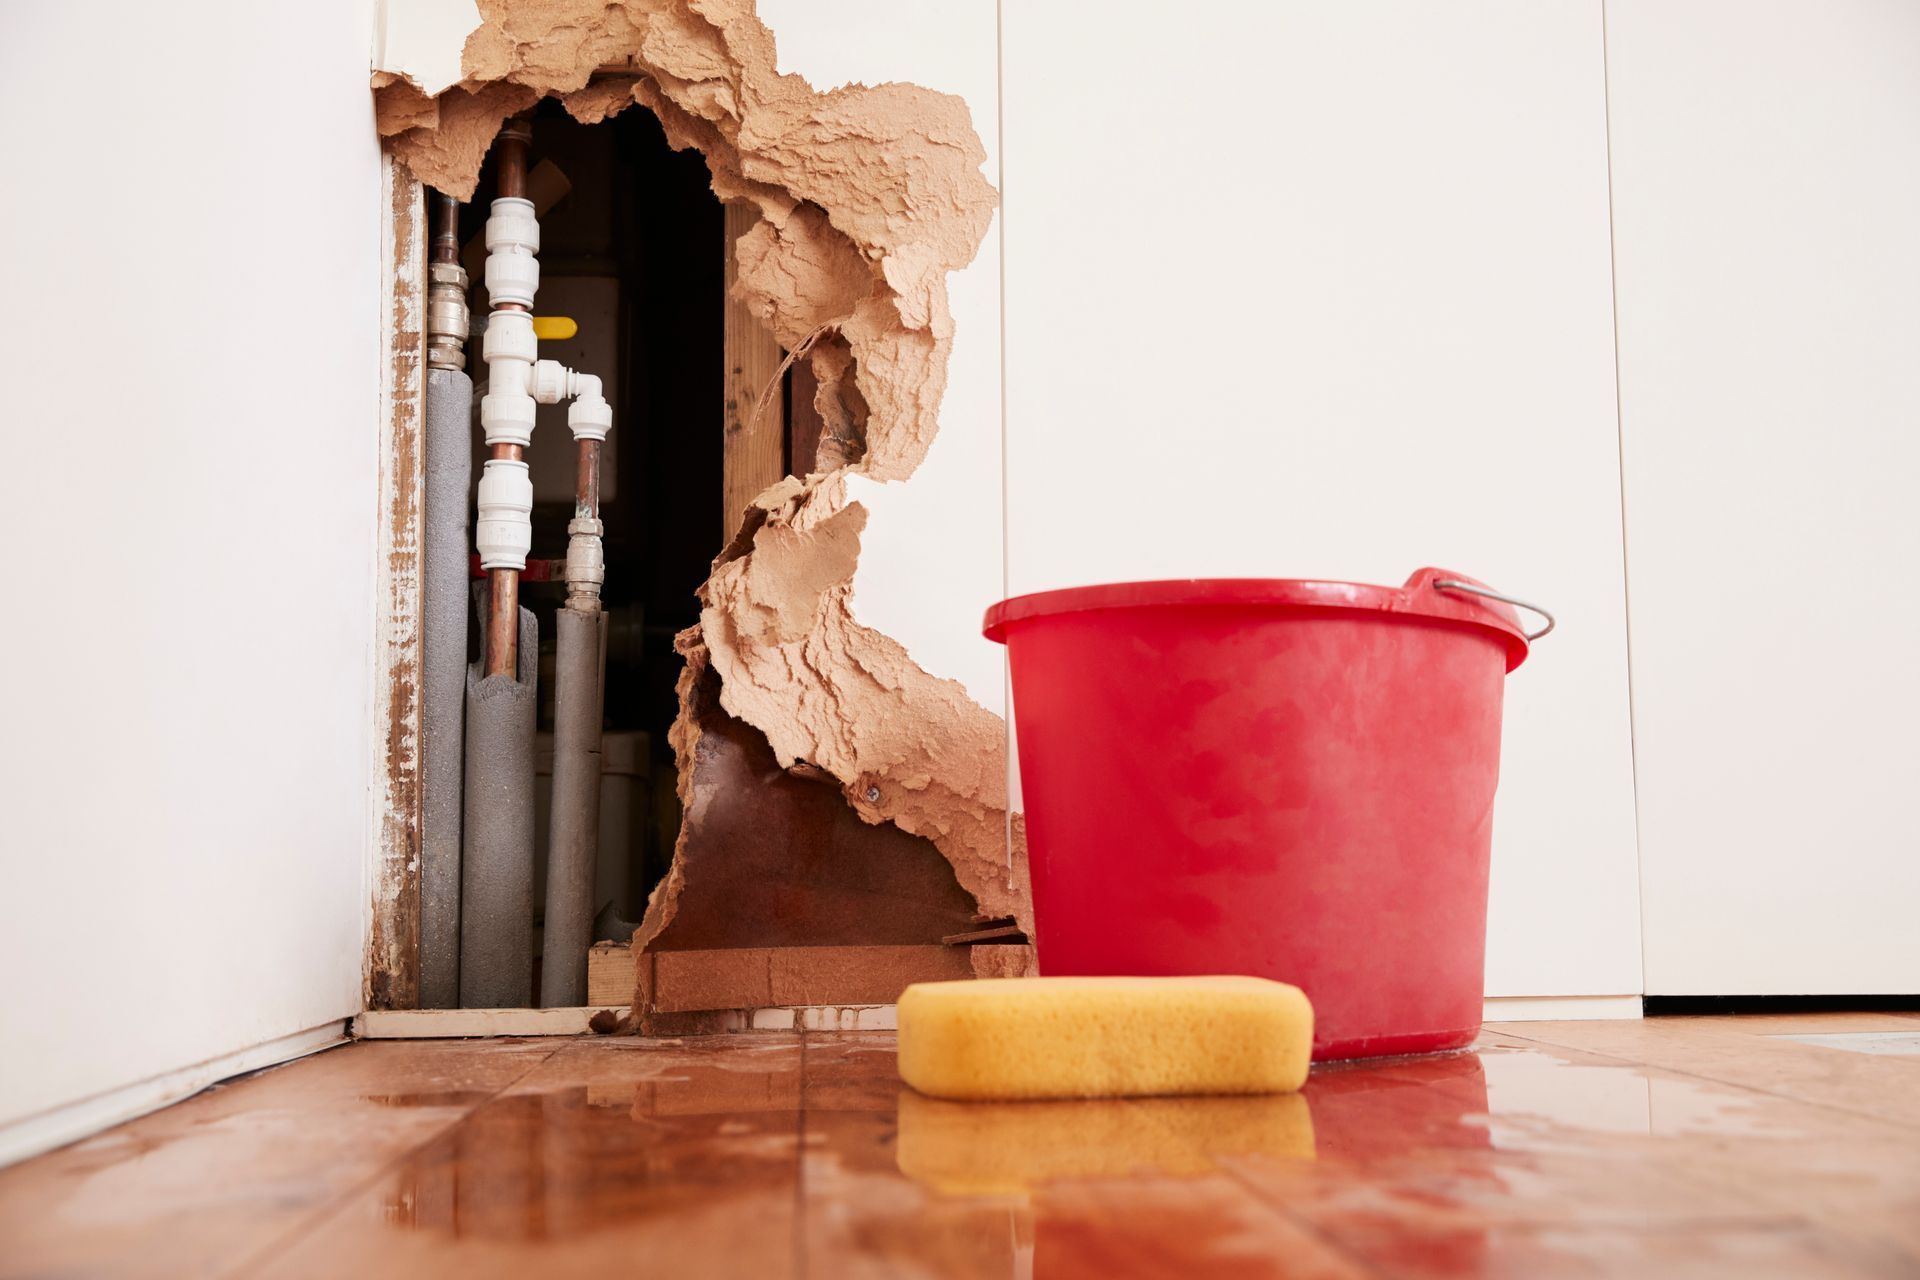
x: 1891, y: 1043
x: 1539, y: 1102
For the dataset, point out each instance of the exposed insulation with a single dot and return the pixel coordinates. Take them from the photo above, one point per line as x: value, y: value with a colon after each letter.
x: 869, y: 197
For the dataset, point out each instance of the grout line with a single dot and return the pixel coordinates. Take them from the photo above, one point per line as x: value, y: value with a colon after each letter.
x: 312, y: 1222
x: 800, y: 1169
x: 1279, y: 1207
x: 1620, y: 460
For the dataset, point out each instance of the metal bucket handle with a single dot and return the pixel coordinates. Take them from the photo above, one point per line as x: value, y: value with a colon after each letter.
x: 1472, y: 588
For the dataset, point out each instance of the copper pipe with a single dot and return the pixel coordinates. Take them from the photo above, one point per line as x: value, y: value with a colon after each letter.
x: 511, y: 182
x: 586, y: 481
x: 503, y: 622
x: 446, y: 229
x: 503, y: 585
x: 503, y: 599
x: 511, y: 179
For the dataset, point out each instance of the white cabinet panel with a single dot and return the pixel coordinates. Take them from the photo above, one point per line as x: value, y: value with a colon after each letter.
x: 1317, y: 289
x: 1767, y: 211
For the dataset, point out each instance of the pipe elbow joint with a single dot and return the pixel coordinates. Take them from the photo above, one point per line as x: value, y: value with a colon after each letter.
x: 590, y: 418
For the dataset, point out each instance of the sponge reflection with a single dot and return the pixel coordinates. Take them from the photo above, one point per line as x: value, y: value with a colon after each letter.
x: 992, y: 1148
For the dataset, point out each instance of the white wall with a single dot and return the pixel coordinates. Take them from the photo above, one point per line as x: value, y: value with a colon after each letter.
x: 1767, y: 209
x: 193, y: 284
x: 1321, y: 290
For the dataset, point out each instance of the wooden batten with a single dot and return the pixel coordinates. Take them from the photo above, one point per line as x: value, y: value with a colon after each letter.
x: 755, y: 434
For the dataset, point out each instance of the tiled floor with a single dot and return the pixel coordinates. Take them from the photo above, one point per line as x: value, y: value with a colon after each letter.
x: 1679, y: 1147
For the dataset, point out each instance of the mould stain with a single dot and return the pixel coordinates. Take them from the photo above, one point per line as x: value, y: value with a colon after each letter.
x: 392, y: 978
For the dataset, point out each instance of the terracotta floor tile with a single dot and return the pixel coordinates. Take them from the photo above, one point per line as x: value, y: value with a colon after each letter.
x: 199, y: 1187
x: 787, y: 1155
x: 679, y: 1157
x: 897, y: 1184
x: 1524, y: 1160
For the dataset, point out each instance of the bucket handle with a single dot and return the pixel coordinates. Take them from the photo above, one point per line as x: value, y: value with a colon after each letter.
x: 1474, y: 588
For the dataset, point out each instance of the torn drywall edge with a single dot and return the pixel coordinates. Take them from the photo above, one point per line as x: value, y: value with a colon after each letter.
x: 931, y: 557
x: 906, y: 746
x: 419, y: 41
x: 869, y: 197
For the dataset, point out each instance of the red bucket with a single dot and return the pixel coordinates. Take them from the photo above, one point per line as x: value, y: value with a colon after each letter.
x: 1274, y: 777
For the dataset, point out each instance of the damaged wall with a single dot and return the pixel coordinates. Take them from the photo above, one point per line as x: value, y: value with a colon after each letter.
x: 870, y: 198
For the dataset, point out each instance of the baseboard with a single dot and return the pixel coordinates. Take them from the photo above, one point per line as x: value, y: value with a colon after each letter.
x: 76, y: 1120
x: 448, y: 1024
x: 1722, y: 1006
x: 458, y: 1024
x: 1560, y: 1008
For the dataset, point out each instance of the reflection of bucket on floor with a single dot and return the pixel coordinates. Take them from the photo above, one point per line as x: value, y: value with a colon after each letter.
x: 1376, y: 1111
x: 1275, y: 777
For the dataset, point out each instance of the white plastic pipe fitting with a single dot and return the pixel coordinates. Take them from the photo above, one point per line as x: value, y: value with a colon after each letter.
x: 513, y: 238
x: 518, y: 381
x: 549, y: 383
x: 504, y: 532
x: 506, y: 411
x: 590, y: 417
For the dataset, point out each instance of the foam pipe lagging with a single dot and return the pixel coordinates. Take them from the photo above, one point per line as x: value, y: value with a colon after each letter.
x: 444, y: 577
x: 496, y: 866
x: 573, y: 838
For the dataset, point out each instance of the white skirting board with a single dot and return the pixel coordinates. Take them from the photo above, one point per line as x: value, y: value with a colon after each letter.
x: 77, y: 1120
x: 443, y: 1024
x: 455, y: 1024
x: 1560, y: 1008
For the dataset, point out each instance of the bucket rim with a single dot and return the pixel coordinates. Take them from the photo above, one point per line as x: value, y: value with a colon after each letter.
x: 1418, y: 598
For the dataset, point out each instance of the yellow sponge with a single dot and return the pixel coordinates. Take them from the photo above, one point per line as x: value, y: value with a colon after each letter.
x: 1011, y: 1038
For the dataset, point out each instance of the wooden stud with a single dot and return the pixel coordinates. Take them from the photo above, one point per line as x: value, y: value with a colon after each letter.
x: 803, y: 445
x: 610, y: 974
x: 754, y: 448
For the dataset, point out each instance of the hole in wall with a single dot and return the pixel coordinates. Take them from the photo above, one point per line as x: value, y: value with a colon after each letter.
x: 633, y: 253
x: 861, y: 199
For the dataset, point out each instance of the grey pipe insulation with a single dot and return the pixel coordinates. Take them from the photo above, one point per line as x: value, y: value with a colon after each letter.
x: 445, y: 574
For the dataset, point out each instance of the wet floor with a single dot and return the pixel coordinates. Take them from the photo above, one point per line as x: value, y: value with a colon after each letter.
x: 1708, y: 1147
